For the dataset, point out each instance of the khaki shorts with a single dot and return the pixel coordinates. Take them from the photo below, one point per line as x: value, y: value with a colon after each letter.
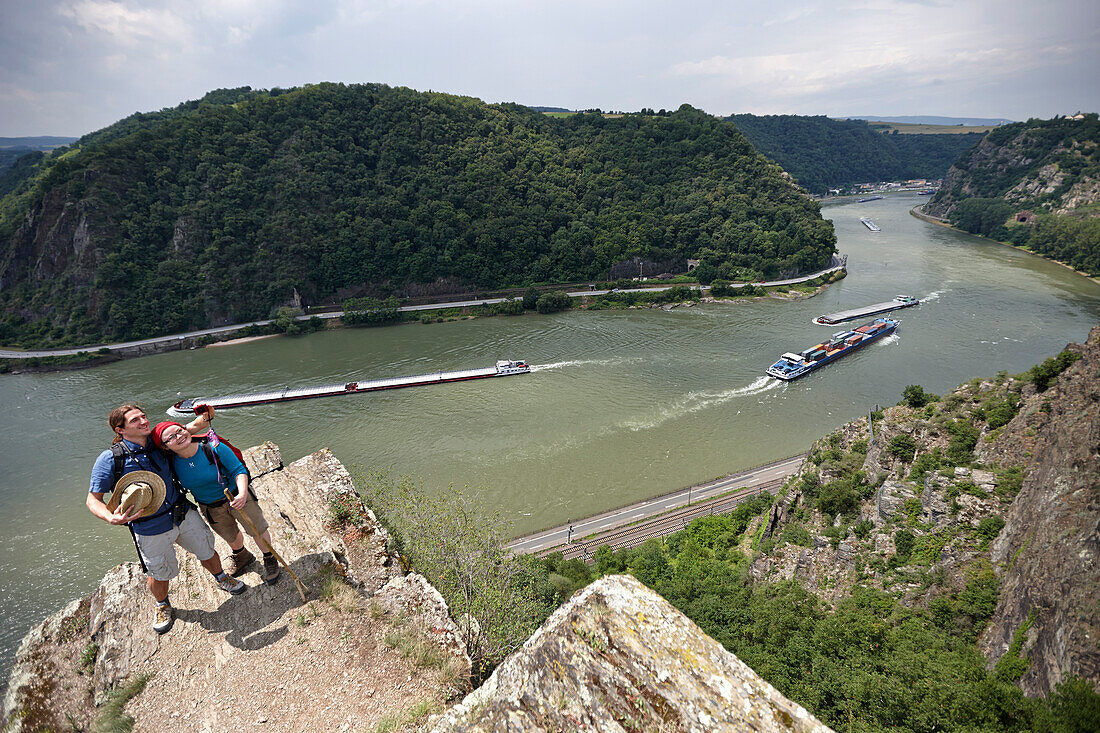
x: 224, y: 520
x: 158, y: 551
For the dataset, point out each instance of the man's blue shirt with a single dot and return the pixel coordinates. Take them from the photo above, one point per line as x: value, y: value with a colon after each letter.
x: 103, y: 482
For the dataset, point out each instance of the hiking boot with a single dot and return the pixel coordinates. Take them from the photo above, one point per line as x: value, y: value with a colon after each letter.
x: 231, y: 585
x: 271, y: 569
x: 164, y: 618
x: 238, y: 562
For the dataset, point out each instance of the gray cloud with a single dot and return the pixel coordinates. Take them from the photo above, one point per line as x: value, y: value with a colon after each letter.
x: 72, y: 66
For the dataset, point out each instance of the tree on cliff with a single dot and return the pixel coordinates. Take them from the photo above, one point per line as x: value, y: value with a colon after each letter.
x: 451, y: 540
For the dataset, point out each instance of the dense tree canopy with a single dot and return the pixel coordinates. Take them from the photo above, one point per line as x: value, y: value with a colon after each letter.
x: 220, y: 209
x: 822, y: 153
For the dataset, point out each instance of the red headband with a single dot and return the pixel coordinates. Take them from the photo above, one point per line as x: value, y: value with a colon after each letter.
x: 158, y: 431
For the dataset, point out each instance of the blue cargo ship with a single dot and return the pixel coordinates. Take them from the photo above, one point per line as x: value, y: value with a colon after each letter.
x: 792, y: 366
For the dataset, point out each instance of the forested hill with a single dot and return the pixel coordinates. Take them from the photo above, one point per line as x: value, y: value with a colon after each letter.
x: 1034, y: 184
x: 220, y: 209
x: 822, y: 153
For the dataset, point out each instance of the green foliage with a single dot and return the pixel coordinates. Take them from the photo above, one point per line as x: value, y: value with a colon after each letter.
x: 964, y: 437
x: 1012, y: 665
x: 530, y: 299
x: 904, y: 542
x: 999, y: 412
x: 843, y: 495
x: 1074, y: 706
x: 371, y: 311
x: 1009, y: 481
x: 989, y: 527
x: 252, y: 195
x: 903, y: 446
x: 822, y: 153
x: 863, y: 529
x: 965, y: 613
x: 450, y: 539
x: 1043, y: 375
x: 554, y: 301
x: 915, y: 396
x: 990, y: 193
x: 924, y: 463
x: 111, y: 717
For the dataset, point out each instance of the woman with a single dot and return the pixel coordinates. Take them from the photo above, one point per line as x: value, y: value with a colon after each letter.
x: 207, y: 481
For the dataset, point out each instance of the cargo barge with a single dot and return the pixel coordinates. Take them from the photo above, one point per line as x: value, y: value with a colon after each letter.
x: 901, y: 301
x: 792, y: 366
x: 868, y: 198
x: 870, y: 224
x: 503, y: 368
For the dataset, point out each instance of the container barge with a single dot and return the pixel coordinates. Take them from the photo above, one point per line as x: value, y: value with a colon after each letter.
x: 901, y: 301
x: 503, y: 368
x: 792, y: 366
x: 868, y: 198
x: 870, y: 224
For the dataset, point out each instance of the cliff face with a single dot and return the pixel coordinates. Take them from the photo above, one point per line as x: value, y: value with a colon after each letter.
x: 1049, y: 551
x: 1048, y: 164
x: 1038, y: 476
x: 615, y: 657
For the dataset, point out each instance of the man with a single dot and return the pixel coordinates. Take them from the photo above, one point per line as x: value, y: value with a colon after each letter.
x: 157, y: 530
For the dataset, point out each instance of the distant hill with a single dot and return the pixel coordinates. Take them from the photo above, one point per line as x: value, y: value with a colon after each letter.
x: 932, y: 120
x: 223, y: 208
x: 1035, y: 184
x: 13, y: 148
x: 552, y: 109
x: 822, y: 153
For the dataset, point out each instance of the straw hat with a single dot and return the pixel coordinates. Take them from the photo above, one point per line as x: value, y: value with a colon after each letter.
x: 141, y: 489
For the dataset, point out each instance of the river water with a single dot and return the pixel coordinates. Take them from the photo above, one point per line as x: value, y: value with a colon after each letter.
x: 621, y: 405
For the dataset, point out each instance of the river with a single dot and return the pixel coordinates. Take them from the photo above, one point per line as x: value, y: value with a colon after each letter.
x: 621, y: 405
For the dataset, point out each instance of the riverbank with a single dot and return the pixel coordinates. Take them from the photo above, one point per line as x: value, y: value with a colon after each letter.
x: 944, y: 223
x: 17, y: 362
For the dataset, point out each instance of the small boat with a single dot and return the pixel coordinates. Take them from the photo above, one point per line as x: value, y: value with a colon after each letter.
x: 926, y: 192
x: 792, y: 366
x: 869, y: 198
x: 503, y: 368
x: 901, y: 301
x: 869, y: 224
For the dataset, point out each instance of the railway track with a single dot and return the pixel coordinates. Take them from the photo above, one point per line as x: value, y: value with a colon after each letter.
x: 659, y: 526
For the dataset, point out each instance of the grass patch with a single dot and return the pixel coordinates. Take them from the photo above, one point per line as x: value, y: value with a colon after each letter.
x: 111, y: 718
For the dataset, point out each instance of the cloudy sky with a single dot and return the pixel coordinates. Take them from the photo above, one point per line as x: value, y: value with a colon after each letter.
x: 68, y: 67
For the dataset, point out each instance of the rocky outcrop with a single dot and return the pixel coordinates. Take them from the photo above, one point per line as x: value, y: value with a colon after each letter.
x: 228, y: 658
x: 619, y: 657
x: 1049, y: 550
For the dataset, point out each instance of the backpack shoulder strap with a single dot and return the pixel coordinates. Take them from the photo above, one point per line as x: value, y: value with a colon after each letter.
x: 212, y: 456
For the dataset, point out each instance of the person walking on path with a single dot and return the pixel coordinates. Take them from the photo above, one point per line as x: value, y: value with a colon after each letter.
x: 207, y: 471
x: 158, y: 515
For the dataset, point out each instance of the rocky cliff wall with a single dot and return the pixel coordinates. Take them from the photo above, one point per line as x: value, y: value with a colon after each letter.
x: 1048, y: 554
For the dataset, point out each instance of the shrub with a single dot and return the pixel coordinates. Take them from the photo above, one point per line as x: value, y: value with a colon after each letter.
x: 915, y: 396
x: 904, y: 542
x: 1043, y: 375
x: 990, y: 527
x: 530, y: 299
x: 552, y: 302
x: 903, y: 446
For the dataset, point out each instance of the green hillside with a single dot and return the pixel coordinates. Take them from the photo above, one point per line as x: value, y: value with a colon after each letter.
x: 221, y: 209
x: 1035, y: 184
x: 822, y: 153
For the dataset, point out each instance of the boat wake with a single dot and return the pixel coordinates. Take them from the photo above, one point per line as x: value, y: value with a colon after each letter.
x: 696, y: 401
x: 576, y: 362
x: 935, y: 295
x: 891, y: 339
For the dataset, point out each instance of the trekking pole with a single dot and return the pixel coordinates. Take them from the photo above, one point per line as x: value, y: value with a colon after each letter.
x: 261, y: 542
